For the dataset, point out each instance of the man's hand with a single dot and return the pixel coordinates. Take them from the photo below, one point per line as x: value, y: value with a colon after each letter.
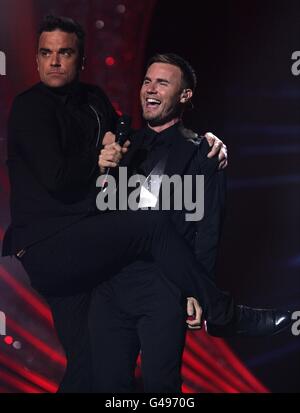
x: 112, y: 152
x: 194, y: 312
x: 218, y: 148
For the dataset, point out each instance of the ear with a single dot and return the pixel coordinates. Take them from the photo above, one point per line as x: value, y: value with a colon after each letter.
x: 186, y: 95
x: 37, y: 62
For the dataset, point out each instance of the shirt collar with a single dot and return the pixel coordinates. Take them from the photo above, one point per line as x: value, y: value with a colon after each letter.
x: 69, y: 93
x: 163, y: 138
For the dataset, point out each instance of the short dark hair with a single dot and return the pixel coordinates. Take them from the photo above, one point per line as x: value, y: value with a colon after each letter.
x: 65, y: 24
x: 189, y: 76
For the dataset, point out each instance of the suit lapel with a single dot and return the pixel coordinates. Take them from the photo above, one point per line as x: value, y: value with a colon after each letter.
x: 182, y: 151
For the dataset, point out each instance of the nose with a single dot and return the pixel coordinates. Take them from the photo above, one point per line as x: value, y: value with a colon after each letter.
x: 151, y: 88
x: 55, y: 60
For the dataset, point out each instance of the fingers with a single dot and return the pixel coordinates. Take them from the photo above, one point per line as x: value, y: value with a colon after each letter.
x: 217, y: 148
x: 110, y: 156
x: 106, y: 164
x: 190, y: 307
x: 112, y: 153
x: 194, y: 310
x: 108, y: 139
x: 223, y: 164
x: 223, y: 153
x: 126, y: 144
x: 125, y: 147
x: 210, y: 137
x: 215, y: 143
x: 194, y: 326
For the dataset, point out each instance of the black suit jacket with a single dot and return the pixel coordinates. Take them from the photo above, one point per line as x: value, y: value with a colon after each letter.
x: 188, y: 156
x: 52, y: 161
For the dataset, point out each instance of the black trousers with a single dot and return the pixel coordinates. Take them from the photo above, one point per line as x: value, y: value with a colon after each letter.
x: 138, y: 312
x: 71, y: 321
x: 92, y: 250
x: 103, y: 332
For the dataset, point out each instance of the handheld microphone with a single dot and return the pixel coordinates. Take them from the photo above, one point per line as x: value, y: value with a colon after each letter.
x: 122, y: 131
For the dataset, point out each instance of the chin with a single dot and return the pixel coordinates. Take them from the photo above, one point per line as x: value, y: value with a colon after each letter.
x: 156, y: 121
x: 56, y: 84
x: 150, y: 118
x: 55, y: 81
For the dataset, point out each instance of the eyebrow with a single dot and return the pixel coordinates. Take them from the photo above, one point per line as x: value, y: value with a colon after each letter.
x: 163, y: 80
x: 66, y: 49
x: 157, y: 80
x: 62, y: 50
